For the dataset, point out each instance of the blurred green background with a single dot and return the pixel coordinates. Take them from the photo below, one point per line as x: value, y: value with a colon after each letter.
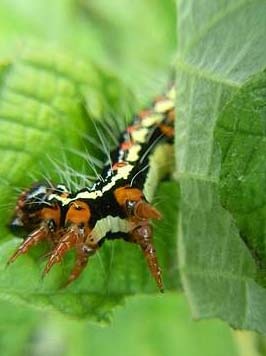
x: 147, y: 326
x: 136, y: 40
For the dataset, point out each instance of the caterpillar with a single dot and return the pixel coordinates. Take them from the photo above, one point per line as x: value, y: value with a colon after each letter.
x: 117, y: 205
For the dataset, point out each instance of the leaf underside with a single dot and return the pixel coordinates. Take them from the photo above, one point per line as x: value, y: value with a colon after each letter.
x: 220, y: 159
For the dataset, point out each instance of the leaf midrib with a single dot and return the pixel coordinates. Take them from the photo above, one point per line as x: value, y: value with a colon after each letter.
x: 203, y: 73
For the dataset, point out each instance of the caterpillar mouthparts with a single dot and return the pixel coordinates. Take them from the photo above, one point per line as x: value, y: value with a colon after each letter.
x: 115, y: 206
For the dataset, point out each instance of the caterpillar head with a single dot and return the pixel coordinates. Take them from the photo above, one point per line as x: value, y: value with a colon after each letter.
x: 33, y: 206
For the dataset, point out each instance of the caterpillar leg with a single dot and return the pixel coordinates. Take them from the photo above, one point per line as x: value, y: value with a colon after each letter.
x: 34, y: 212
x: 33, y: 239
x: 140, y: 212
x: 142, y: 235
x: 71, y: 238
x: 82, y: 255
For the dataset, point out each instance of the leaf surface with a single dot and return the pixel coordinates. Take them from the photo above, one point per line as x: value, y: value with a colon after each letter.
x: 221, y: 46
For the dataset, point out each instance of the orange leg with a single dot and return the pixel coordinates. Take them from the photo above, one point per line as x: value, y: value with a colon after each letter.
x: 142, y: 235
x: 82, y: 256
x: 71, y: 238
x: 33, y: 239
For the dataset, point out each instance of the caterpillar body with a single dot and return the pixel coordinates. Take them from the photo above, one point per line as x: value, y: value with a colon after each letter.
x: 115, y: 206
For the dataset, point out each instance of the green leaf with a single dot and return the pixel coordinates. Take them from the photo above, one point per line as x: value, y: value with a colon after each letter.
x: 221, y: 45
x: 43, y: 95
x: 240, y: 133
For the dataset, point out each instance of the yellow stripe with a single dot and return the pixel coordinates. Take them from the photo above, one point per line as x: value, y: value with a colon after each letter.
x: 133, y: 153
x: 151, y: 120
x: 164, y: 105
x: 140, y: 135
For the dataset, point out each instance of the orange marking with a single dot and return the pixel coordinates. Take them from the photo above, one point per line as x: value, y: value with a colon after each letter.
x: 171, y: 115
x: 144, y: 113
x: 126, y: 145
x: 52, y: 213
x: 167, y: 130
x: 132, y: 128
x: 78, y: 213
x: 145, y: 210
x: 123, y: 194
x: 118, y: 165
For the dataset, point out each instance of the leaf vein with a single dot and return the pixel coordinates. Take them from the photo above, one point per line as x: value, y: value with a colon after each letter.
x: 27, y: 125
x: 203, y: 73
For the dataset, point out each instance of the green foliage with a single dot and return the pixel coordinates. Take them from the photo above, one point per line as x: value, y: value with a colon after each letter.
x: 221, y: 48
x: 241, y: 135
x: 48, y: 100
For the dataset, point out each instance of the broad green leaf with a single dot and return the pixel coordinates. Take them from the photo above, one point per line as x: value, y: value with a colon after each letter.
x: 221, y: 45
x: 47, y: 101
x: 240, y: 134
